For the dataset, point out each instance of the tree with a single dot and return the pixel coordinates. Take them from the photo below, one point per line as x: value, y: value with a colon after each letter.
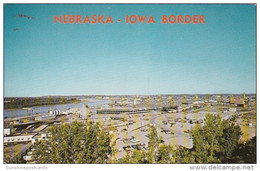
x: 49, y: 100
x: 153, y: 144
x: 139, y: 157
x: 182, y: 155
x: 62, y: 100
x: 199, y: 147
x: 229, y: 140
x: 24, y: 102
x: 151, y: 155
x: 171, y: 101
x: 37, y: 101
x: 126, y: 159
x: 164, y: 154
x: 7, y: 158
x: 75, y: 143
x: 215, y: 141
x: 244, y: 152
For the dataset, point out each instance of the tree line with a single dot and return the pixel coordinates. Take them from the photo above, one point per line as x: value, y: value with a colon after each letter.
x: 19, y: 102
x: 217, y: 141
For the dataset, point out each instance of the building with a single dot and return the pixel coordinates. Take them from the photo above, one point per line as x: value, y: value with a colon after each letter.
x: 20, y: 138
x: 39, y: 137
x: 237, y: 101
x: 232, y: 109
x: 84, y: 112
x: 55, y: 112
x: 44, y: 117
x: 122, y: 110
x: 40, y: 128
x: 71, y: 111
x: 136, y: 101
x: 7, y: 131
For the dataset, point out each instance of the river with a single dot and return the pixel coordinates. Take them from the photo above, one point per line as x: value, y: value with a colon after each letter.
x: 10, y: 113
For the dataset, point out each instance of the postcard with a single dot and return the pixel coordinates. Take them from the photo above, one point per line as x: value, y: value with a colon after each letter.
x: 129, y: 84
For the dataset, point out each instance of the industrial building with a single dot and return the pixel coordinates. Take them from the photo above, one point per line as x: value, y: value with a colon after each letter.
x: 21, y: 138
x: 44, y: 117
x: 55, y: 112
x: 84, y: 111
x: 120, y: 110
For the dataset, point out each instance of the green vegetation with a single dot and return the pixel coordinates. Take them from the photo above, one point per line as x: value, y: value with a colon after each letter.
x: 217, y: 141
x: 244, y: 152
x: 13, y: 103
x: 75, y: 143
x: 6, y: 155
x: 171, y: 101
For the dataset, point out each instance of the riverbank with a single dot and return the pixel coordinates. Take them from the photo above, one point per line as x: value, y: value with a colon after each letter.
x: 12, y: 113
x: 13, y: 103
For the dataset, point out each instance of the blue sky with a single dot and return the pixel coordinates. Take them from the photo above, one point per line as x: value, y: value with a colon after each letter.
x: 43, y: 58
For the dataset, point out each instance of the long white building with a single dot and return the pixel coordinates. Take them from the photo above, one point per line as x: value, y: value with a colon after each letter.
x: 20, y: 138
